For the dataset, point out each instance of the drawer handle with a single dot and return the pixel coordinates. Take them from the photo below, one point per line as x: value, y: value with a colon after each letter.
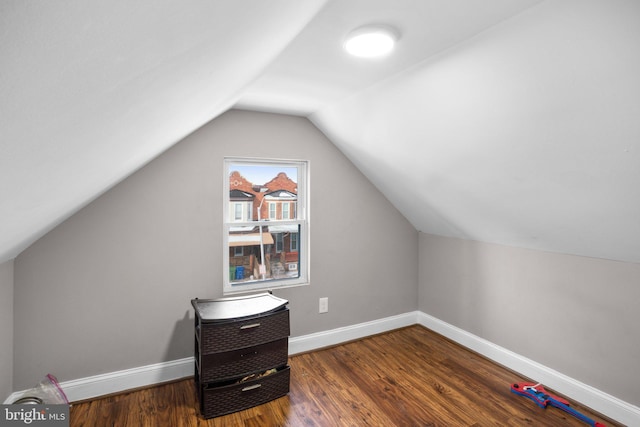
x: 253, y: 325
x: 252, y: 387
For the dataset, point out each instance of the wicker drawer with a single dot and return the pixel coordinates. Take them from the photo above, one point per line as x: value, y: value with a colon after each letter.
x: 236, y: 363
x: 221, y: 400
x: 228, y: 336
x: 239, y: 338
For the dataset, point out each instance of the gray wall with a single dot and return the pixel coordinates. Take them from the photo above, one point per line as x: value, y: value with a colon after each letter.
x: 109, y: 289
x: 576, y: 315
x: 6, y: 330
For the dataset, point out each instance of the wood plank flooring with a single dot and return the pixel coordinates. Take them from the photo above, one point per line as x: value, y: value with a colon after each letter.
x: 407, y: 377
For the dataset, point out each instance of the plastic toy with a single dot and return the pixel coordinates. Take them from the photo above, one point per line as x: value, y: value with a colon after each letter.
x: 543, y: 398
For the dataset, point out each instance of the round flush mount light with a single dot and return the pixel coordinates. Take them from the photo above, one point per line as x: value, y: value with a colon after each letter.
x: 371, y: 41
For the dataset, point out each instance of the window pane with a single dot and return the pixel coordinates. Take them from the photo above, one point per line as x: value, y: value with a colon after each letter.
x: 263, y: 229
x: 260, y: 185
x: 247, y: 246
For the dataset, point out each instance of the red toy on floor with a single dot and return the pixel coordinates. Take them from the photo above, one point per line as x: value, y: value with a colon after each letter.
x: 542, y: 398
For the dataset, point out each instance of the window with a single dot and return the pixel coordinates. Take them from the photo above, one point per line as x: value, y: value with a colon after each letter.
x: 238, y: 212
x: 240, y: 205
x: 266, y: 230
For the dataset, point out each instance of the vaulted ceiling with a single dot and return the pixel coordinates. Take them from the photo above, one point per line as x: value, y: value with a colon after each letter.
x: 507, y: 121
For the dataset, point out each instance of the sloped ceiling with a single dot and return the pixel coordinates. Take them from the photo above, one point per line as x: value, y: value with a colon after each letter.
x: 506, y: 121
x: 92, y: 90
x: 521, y: 129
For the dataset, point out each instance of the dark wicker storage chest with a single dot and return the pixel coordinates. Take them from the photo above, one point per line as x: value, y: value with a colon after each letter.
x: 241, y: 352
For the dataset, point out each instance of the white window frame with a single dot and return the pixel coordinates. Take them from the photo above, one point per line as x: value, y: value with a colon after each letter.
x: 302, y: 221
x: 273, y: 209
x: 237, y: 205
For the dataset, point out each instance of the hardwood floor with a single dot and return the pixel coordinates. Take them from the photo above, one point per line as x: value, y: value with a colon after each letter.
x: 407, y: 377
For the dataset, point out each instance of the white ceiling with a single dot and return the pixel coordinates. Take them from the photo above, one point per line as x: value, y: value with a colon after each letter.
x: 506, y: 121
x: 314, y: 72
x: 92, y: 90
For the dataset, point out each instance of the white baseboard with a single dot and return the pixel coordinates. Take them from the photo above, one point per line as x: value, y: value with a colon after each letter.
x: 114, y: 382
x: 350, y: 333
x: 595, y: 399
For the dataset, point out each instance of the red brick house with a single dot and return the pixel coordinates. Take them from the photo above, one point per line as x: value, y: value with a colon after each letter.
x: 274, y: 201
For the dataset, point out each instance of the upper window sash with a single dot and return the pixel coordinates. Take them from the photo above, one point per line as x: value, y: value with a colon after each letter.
x: 286, y: 255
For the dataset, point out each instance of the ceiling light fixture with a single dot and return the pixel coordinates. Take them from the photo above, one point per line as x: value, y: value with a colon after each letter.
x: 371, y: 41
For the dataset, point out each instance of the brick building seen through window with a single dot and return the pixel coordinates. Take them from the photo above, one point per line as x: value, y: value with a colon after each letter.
x: 264, y: 228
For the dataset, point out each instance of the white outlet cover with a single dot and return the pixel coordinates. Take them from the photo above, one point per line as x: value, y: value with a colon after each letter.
x: 323, y: 306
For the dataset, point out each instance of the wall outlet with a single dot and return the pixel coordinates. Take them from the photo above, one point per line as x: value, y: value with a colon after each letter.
x: 324, y: 305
